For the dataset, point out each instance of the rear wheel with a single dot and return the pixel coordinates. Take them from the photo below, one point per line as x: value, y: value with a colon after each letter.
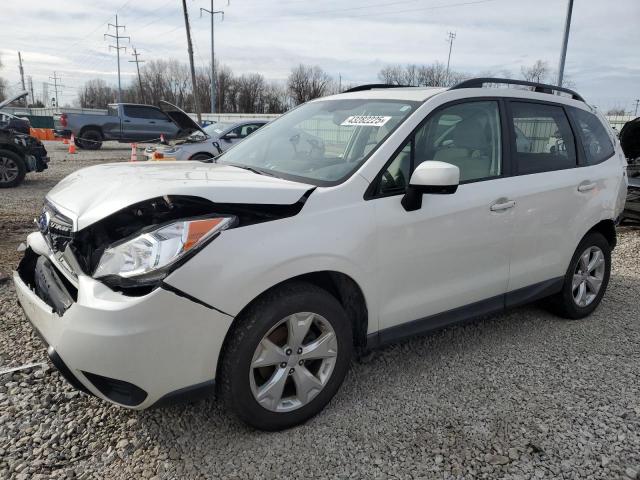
x: 286, y: 357
x: 90, y: 139
x: 12, y: 169
x: 586, y: 279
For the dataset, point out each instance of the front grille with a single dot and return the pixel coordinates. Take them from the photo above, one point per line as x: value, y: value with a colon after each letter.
x: 56, y: 228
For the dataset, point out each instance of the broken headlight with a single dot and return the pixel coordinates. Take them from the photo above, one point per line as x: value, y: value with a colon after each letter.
x: 149, y: 256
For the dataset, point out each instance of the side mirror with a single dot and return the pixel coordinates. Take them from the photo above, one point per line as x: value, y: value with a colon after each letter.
x: 230, y: 136
x: 432, y: 177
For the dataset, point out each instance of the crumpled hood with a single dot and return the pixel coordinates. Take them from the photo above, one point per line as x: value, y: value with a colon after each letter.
x: 92, y: 193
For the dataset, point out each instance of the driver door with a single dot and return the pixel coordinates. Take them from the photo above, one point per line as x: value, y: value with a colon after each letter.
x: 454, y: 251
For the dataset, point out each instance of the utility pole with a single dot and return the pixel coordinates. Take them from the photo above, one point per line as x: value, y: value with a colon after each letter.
x: 45, y: 93
x: 56, y: 85
x: 452, y: 37
x: 565, y: 42
x: 30, y: 85
x: 213, y: 13
x: 196, y: 104
x: 117, y: 46
x: 637, y: 102
x: 138, y: 62
x: 26, y: 103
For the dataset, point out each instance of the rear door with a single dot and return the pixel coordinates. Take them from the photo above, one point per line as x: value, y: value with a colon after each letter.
x: 551, y: 192
x: 141, y: 122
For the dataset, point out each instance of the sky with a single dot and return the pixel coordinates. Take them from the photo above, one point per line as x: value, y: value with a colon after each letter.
x: 353, y: 39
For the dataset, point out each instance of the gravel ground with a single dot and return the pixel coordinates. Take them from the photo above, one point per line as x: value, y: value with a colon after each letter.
x: 518, y: 395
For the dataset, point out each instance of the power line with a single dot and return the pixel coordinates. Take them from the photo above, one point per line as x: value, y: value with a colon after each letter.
x: 138, y: 62
x: 117, y: 46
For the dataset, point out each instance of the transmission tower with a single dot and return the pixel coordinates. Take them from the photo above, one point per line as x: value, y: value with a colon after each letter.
x: 117, y: 46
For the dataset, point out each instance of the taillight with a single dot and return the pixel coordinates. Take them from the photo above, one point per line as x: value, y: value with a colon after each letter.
x: 63, y: 119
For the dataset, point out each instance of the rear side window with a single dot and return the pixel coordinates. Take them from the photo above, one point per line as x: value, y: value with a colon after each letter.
x: 543, y: 138
x: 143, y: 112
x: 595, y: 140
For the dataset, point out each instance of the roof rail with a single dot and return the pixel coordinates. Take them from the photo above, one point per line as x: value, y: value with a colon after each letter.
x: 371, y: 86
x: 538, y: 87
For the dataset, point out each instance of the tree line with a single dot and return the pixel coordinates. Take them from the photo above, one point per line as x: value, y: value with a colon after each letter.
x: 170, y: 80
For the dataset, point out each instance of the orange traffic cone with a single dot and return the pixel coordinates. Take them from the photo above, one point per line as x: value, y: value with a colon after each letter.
x: 72, y: 144
x: 134, y: 152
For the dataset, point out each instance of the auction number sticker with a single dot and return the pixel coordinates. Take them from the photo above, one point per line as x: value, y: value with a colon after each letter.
x: 366, y: 121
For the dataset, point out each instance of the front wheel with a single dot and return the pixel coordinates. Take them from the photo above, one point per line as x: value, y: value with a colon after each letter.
x: 286, y: 357
x: 12, y: 169
x: 586, y: 279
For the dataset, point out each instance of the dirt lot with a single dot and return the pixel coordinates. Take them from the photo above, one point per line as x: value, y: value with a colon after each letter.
x: 518, y: 395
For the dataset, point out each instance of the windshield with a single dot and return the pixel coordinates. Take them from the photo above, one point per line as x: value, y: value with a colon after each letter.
x: 217, y: 128
x: 321, y: 142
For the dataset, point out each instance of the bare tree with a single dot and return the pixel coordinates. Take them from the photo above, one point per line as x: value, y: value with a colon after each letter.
x: 616, y: 111
x: 433, y: 75
x: 538, y: 72
x: 96, y: 94
x: 3, y: 85
x: 307, y: 82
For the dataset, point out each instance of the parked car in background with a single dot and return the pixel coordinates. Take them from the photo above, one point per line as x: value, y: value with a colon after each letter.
x: 11, y: 121
x: 125, y: 123
x: 350, y: 222
x: 19, y: 154
x: 205, y: 143
x: 630, y: 141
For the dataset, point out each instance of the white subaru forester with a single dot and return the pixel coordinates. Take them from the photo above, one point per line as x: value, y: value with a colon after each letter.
x: 352, y: 221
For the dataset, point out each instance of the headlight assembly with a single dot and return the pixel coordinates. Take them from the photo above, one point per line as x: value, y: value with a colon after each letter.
x: 148, y: 257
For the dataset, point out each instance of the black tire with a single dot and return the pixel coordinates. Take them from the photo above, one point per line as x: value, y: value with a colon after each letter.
x: 563, y: 303
x: 233, y: 381
x: 201, y: 156
x: 12, y: 169
x: 90, y: 139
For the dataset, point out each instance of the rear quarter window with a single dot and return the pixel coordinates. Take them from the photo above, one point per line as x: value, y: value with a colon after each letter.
x: 594, y: 138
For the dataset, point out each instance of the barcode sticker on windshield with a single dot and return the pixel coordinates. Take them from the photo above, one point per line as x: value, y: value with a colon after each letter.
x: 366, y: 121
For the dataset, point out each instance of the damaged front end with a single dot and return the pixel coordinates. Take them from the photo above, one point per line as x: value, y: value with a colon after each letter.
x: 132, y: 250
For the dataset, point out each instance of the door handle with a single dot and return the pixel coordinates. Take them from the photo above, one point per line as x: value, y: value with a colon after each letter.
x: 152, y: 122
x: 586, y: 186
x: 127, y: 121
x: 502, y: 204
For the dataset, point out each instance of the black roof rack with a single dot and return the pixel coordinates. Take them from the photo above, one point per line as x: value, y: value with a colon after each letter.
x: 371, y: 86
x: 537, y: 87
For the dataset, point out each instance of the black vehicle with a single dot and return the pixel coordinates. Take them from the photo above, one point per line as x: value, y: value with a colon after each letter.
x: 21, y: 125
x: 630, y: 142
x: 19, y: 154
x: 11, y: 121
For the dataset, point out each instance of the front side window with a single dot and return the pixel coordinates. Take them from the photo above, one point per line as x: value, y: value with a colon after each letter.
x: 322, y: 142
x: 544, y: 141
x: 467, y: 135
x: 595, y: 140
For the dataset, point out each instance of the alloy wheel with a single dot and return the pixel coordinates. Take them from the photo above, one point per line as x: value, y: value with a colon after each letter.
x: 8, y: 169
x: 588, y: 276
x: 293, y: 362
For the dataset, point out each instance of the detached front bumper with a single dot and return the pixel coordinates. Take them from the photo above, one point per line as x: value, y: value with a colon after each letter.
x: 133, y: 351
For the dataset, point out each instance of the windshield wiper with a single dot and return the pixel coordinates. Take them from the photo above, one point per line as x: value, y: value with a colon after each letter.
x: 251, y: 169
